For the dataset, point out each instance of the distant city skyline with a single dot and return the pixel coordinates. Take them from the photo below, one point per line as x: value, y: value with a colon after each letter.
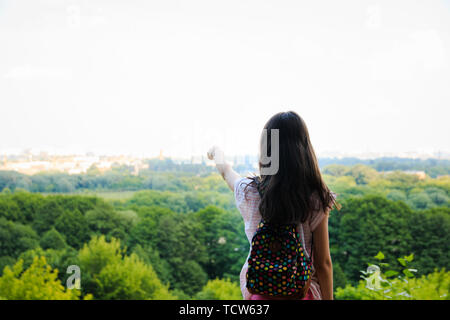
x: 116, y: 77
x: 330, y: 154
x: 30, y: 163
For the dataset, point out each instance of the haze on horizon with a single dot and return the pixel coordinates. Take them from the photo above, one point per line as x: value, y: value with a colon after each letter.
x: 140, y: 76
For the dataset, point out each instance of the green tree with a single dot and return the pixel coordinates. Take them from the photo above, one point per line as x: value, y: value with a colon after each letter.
x: 103, y: 219
x: 9, y: 209
x: 430, y: 230
x: 226, y: 245
x: 400, y: 178
x: 218, y: 289
x: 144, y: 233
x: 420, y: 200
x: 152, y: 257
x: 188, y: 276
x: 93, y: 257
x: 46, y: 216
x: 397, y: 195
x: 6, y: 261
x: 336, y: 170
x: 38, y: 282
x: 339, y: 277
x: 179, y: 243
x: 52, y: 239
x: 362, y: 174
x: 131, y: 279
x: 110, y: 274
x: 16, y: 238
x: 438, y: 196
x: 73, y: 225
x: 58, y: 259
x: 367, y: 224
x: 29, y: 204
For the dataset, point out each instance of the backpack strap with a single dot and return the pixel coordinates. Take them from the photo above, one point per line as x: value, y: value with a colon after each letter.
x: 303, y: 241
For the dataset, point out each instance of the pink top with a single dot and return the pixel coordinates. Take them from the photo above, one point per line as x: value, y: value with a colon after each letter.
x: 248, y: 204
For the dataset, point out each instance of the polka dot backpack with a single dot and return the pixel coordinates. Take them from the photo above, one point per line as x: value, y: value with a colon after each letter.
x: 278, y: 266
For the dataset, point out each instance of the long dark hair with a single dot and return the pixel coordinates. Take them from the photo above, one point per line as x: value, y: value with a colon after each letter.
x: 297, y: 189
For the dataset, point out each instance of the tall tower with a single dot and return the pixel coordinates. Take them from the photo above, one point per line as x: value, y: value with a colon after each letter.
x: 161, y: 157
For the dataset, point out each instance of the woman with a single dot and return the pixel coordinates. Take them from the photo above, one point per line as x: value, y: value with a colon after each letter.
x: 292, y: 193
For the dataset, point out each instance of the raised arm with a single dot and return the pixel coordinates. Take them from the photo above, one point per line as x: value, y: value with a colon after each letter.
x: 230, y: 176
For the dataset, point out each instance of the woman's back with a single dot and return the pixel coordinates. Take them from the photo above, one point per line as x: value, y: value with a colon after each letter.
x: 288, y: 190
x: 247, y: 201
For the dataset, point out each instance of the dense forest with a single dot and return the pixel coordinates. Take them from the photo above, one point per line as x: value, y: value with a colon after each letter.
x: 173, y: 232
x: 166, y: 175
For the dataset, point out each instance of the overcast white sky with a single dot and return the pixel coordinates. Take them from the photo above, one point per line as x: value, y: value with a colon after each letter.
x: 139, y: 76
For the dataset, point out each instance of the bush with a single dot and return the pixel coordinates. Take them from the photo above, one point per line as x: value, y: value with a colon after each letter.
x: 392, y: 285
x: 130, y: 279
x: 38, y: 282
x: 220, y: 290
x: 110, y: 274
